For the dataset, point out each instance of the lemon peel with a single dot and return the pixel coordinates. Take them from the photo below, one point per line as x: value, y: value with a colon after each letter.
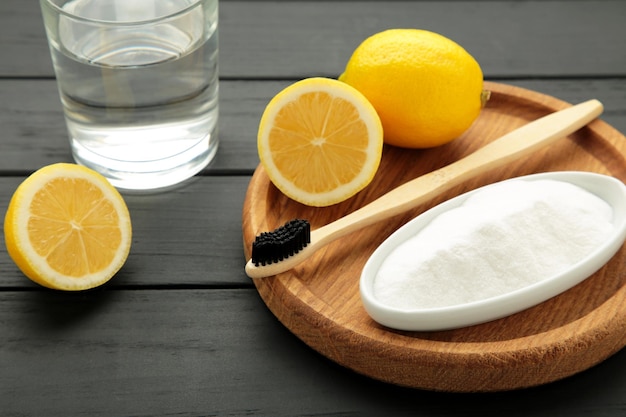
x: 426, y: 88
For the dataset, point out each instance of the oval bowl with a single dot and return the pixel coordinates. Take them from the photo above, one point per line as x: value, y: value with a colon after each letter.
x: 606, y: 187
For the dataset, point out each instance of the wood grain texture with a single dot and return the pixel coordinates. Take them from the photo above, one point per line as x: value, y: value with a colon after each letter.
x: 34, y: 133
x: 180, y: 334
x: 187, y: 237
x: 287, y: 39
x: 221, y: 353
x: 319, y: 300
x: 33, y: 130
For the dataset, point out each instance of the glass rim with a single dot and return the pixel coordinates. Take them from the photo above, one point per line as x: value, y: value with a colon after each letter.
x: 58, y: 9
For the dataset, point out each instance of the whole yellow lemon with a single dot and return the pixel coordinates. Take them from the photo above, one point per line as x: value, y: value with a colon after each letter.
x: 426, y: 88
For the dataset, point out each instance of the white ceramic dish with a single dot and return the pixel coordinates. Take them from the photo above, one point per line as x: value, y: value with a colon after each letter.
x: 608, y: 188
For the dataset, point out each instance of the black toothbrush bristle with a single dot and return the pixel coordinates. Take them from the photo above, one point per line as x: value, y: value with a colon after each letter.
x: 285, y: 241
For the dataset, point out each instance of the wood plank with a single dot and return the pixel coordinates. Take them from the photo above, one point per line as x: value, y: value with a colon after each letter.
x: 158, y: 341
x: 33, y: 130
x: 190, y: 236
x: 34, y: 134
x: 508, y: 38
x: 23, y: 46
x: 162, y: 222
x: 209, y: 352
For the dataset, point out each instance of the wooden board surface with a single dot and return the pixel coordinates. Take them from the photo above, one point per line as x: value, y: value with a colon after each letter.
x: 293, y: 39
x: 319, y: 300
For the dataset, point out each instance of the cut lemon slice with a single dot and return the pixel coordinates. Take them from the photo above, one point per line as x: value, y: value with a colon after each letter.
x: 320, y: 141
x: 67, y: 228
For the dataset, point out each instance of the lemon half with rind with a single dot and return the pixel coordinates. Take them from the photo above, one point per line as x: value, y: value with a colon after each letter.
x: 67, y: 228
x: 320, y: 141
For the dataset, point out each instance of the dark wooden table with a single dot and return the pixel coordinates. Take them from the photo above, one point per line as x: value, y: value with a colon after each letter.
x: 181, y: 330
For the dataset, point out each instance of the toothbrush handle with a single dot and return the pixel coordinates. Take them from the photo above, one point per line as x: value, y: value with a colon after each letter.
x: 511, y: 146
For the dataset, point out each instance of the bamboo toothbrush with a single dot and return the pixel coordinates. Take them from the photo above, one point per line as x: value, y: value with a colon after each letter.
x: 284, y: 248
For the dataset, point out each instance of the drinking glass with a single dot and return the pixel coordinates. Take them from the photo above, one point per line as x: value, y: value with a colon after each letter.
x: 138, y: 80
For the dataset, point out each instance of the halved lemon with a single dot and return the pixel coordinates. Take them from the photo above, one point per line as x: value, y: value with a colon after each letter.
x: 320, y: 141
x: 67, y: 228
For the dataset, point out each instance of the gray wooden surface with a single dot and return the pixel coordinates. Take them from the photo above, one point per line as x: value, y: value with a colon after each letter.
x: 181, y: 331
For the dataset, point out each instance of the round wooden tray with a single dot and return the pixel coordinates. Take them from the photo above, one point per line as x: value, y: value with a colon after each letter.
x: 319, y: 300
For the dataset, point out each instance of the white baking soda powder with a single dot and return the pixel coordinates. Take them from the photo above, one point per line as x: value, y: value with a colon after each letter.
x: 501, y: 239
